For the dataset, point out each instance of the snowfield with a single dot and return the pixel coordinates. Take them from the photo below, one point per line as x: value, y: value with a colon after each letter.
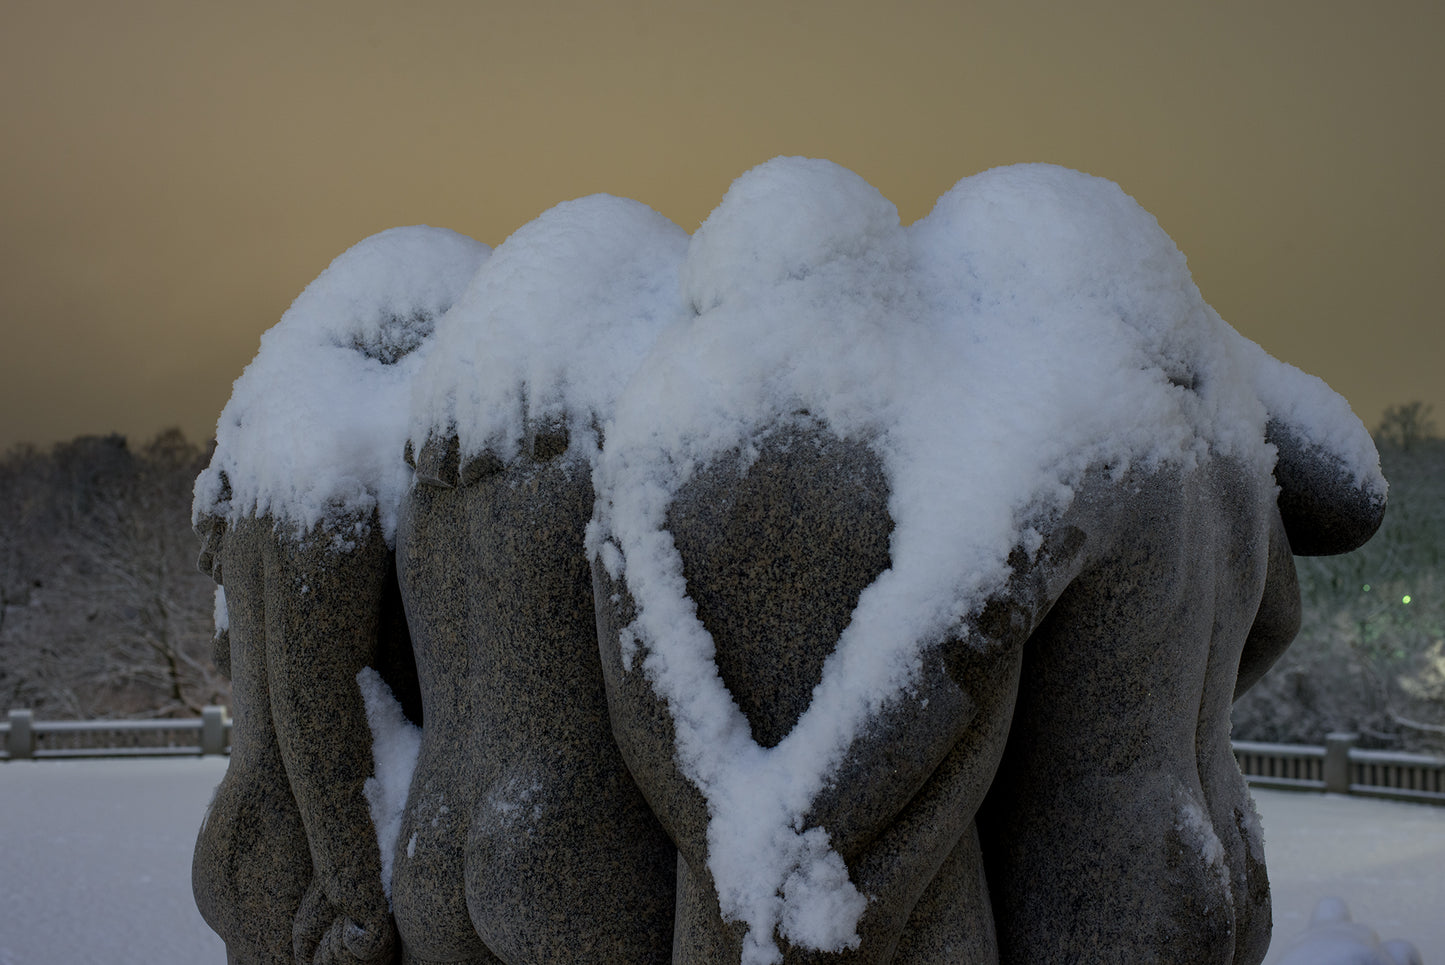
x: 95, y: 863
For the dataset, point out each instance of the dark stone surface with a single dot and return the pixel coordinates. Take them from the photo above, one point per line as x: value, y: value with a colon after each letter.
x: 1323, y: 511
x: 525, y: 839
x: 1118, y: 828
x: 1113, y: 830
x: 286, y: 865
x: 1058, y: 786
x: 775, y: 558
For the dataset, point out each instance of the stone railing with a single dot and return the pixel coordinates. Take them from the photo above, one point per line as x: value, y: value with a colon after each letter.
x: 1342, y: 768
x: 1338, y: 767
x: 23, y: 737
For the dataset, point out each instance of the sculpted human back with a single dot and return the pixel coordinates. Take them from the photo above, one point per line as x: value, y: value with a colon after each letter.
x: 820, y: 589
x: 525, y: 838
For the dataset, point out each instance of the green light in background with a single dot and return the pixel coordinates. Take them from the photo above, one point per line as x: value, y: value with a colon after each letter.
x: 1405, y: 599
x: 1366, y: 588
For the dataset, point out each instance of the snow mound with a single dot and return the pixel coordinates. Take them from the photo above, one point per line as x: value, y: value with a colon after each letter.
x: 396, y: 742
x: 1036, y: 325
x: 1333, y: 939
x: 316, y: 424
x: 220, y: 616
x: 551, y: 327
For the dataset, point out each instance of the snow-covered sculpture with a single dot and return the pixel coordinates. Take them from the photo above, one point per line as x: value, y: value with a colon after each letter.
x: 888, y: 480
x: 813, y: 589
x: 524, y: 838
x: 297, y: 512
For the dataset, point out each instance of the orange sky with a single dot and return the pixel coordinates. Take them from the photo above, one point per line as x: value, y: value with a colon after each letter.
x: 174, y: 172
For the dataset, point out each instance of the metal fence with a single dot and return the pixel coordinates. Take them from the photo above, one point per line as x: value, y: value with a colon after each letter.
x: 1339, y: 767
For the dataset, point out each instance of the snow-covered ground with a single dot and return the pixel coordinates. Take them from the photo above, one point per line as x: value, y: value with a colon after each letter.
x: 1386, y: 860
x: 95, y: 863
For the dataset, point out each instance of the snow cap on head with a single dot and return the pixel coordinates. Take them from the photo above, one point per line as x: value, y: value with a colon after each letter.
x: 316, y: 424
x: 784, y: 218
x: 1069, y: 239
x: 552, y: 326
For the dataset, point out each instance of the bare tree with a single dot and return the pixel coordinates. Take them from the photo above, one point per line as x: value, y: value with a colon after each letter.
x: 107, y: 614
x: 1369, y: 655
x: 134, y: 556
x: 1406, y: 425
x: 22, y: 490
x: 28, y: 560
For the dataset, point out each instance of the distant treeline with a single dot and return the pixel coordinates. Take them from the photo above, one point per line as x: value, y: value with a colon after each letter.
x: 103, y: 613
x: 102, y: 610
x: 1370, y: 656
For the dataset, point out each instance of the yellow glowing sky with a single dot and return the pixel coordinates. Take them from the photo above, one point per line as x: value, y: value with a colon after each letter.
x: 174, y: 172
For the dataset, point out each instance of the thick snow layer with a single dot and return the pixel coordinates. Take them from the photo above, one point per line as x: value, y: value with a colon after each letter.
x: 551, y: 327
x: 395, y: 744
x: 317, y: 422
x: 1036, y: 324
x: 1319, y: 415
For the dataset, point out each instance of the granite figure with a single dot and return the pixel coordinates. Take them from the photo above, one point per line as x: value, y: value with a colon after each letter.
x: 812, y: 589
x: 1015, y: 438
x: 287, y: 866
x: 525, y: 839
x: 297, y: 511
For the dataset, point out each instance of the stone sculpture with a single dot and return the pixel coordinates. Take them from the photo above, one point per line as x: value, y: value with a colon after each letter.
x: 812, y: 589
x: 295, y: 522
x: 286, y: 865
x: 524, y: 837
x: 1130, y: 586
x: 252, y: 863
x: 1119, y: 755
x: 775, y: 557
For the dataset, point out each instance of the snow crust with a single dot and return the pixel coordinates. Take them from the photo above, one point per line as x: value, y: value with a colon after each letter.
x: 551, y: 327
x: 396, y: 742
x: 316, y: 424
x: 1036, y: 324
x: 1193, y: 823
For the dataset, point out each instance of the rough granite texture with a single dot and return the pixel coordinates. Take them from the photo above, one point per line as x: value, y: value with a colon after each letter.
x: 286, y: 865
x: 1058, y: 787
x: 775, y: 558
x: 1118, y: 828
x: 525, y: 839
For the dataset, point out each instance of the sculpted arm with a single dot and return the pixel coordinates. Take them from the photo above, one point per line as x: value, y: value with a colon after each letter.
x: 321, y: 631
x: 1322, y: 510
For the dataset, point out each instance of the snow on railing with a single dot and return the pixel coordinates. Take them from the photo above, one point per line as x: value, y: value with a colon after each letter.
x: 24, y: 737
